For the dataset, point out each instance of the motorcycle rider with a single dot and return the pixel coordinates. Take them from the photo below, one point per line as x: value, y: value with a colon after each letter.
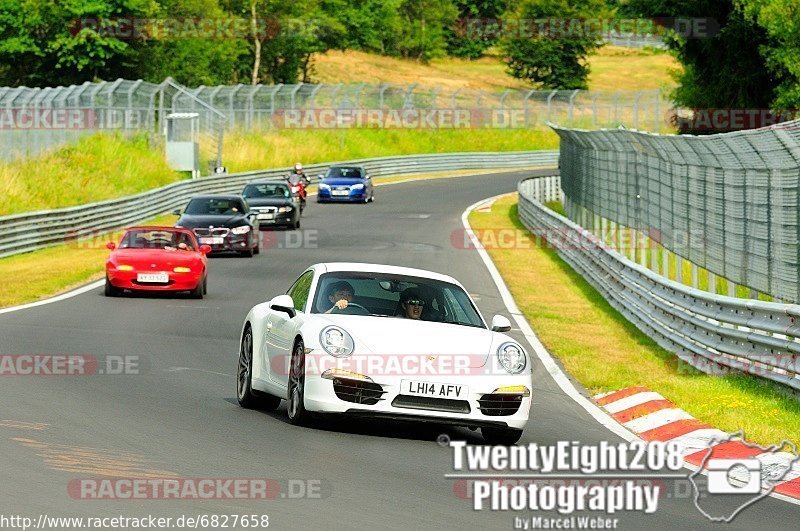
x: 298, y: 173
x: 299, y: 181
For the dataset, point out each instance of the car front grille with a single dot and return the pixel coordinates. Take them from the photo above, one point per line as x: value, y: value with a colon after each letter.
x: 266, y: 209
x: 431, y: 404
x: 357, y: 391
x: 341, y: 188
x: 219, y: 231
x: 499, y: 405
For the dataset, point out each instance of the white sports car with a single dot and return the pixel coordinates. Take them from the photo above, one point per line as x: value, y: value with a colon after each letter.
x: 383, y: 341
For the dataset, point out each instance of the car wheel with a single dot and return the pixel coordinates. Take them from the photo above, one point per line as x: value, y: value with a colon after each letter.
x: 249, y: 253
x: 257, y: 250
x: 197, y: 292
x: 245, y: 395
x: 502, y: 436
x: 205, y: 285
x: 110, y: 290
x: 297, y: 224
x: 297, y: 382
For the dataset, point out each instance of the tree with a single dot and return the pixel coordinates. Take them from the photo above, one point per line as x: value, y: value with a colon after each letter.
x: 550, y: 43
x: 722, y: 70
x: 462, y: 41
x: 423, y: 34
x: 206, y: 53
x: 369, y: 25
x: 43, y: 41
x: 780, y: 20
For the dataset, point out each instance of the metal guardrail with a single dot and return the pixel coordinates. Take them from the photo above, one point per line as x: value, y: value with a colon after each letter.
x: 713, y: 333
x: 21, y: 233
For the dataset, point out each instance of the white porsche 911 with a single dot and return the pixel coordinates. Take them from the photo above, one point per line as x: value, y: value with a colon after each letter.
x: 383, y: 341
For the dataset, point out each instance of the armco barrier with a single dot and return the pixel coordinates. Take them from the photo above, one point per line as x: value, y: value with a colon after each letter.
x: 20, y: 233
x: 713, y: 333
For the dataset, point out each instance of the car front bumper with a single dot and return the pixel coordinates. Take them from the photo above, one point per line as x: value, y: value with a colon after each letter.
x: 353, y: 196
x: 478, y: 408
x: 177, y: 281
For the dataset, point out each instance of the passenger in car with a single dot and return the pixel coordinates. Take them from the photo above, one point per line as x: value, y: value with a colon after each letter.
x: 411, y: 304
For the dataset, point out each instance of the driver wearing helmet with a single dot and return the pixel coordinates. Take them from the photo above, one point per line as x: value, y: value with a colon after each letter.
x: 298, y: 172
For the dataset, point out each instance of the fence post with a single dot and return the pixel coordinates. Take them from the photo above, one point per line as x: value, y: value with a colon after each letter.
x: 549, y: 99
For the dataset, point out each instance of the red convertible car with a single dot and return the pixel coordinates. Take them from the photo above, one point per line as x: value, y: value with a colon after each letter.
x: 157, y: 259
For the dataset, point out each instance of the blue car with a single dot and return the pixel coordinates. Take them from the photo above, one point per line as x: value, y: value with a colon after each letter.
x: 347, y: 184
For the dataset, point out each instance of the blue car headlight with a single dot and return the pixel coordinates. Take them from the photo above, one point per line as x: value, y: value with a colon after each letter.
x: 323, y: 186
x: 357, y: 187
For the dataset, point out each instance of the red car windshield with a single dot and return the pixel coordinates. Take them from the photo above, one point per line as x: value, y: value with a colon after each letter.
x: 157, y: 239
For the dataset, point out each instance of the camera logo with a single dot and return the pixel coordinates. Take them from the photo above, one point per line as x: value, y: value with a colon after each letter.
x: 739, y: 474
x: 734, y: 476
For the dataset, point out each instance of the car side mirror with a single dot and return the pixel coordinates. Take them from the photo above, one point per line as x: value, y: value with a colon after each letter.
x: 205, y: 249
x: 177, y: 211
x: 111, y: 245
x: 500, y: 324
x: 283, y: 303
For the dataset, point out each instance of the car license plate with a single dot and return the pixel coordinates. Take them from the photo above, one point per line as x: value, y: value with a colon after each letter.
x: 216, y: 240
x: 433, y: 389
x: 154, y: 278
x: 340, y: 192
x: 266, y: 216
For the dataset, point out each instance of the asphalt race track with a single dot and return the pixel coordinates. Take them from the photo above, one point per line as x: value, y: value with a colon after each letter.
x: 179, y: 415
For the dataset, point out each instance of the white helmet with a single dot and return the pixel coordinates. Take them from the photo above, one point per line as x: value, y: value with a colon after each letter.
x: 298, y: 166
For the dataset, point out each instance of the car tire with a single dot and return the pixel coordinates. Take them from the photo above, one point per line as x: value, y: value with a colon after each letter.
x: 501, y: 436
x: 110, y: 290
x: 296, y: 224
x: 295, y: 407
x: 197, y: 292
x: 248, y: 253
x: 257, y: 250
x: 205, y: 285
x: 245, y: 395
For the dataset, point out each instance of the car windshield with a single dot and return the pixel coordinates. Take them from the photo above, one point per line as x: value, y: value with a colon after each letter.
x: 157, y: 239
x: 262, y: 191
x: 395, y: 296
x: 344, y: 172
x: 211, y: 206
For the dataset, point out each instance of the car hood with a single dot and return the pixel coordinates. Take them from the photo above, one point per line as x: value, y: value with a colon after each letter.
x: 397, y: 335
x: 191, y: 221
x: 144, y: 258
x: 341, y: 181
x: 267, y: 201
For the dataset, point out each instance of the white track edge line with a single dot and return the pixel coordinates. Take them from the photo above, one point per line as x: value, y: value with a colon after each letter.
x: 547, y: 359
x: 544, y: 356
x: 96, y: 284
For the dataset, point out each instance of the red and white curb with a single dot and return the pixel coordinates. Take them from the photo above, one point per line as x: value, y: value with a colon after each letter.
x: 654, y: 418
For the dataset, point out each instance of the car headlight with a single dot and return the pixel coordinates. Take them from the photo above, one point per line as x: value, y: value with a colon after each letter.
x: 323, y: 186
x: 285, y: 209
x: 336, y: 342
x: 512, y: 358
x: 357, y: 187
x: 244, y: 229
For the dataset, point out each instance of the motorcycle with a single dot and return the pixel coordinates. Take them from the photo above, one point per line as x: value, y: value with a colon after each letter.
x: 298, y: 183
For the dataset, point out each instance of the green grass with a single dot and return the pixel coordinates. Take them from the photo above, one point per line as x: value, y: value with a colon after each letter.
x: 97, y: 167
x: 56, y: 269
x: 605, y: 352
x: 251, y: 150
x: 108, y: 166
x: 47, y: 272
